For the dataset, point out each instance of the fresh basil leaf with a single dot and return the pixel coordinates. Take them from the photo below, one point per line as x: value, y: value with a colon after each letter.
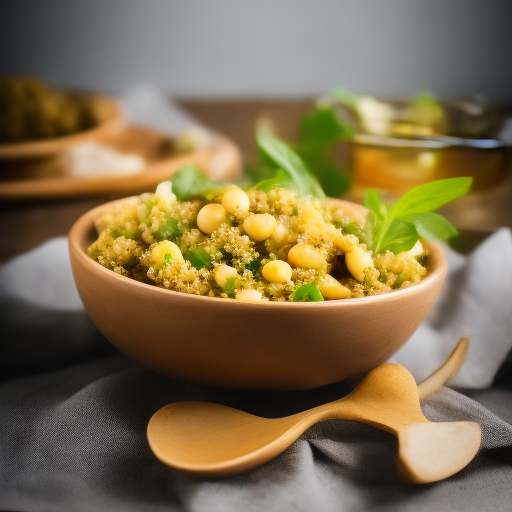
x: 321, y: 127
x: 230, y: 286
x: 432, y: 226
x: 199, y: 258
x: 188, y: 182
x: 260, y: 171
x: 280, y: 180
x: 430, y: 196
x: 333, y: 179
x: 420, y: 200
x: 400, y: 236
x: 168, y: 231
x: 284, y: 158
x: 371, y: 232
x: 319, y: 130
x: 307, y: 293
x: 375, y: 204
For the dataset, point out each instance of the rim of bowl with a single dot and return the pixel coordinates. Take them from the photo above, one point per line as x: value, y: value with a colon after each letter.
x: 80, y: 234
x: 111, y: 122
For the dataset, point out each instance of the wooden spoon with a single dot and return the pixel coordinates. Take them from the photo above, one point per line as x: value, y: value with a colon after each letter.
x: 215, y: 440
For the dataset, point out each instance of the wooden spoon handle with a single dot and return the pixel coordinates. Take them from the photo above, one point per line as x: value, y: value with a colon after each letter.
x: 447, y: 371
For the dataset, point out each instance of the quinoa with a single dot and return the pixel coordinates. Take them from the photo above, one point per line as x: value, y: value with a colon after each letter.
x: 262, y: 250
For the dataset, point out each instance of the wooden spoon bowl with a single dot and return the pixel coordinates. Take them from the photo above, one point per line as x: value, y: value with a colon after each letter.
x: 215, y: 440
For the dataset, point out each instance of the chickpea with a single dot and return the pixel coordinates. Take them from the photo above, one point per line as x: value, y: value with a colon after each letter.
x: 211, y: 217
x: 277, y: 271
x: 311, y: 216
x: 260, y: 226
x: 344, y: 243
x: 280, y: 234
x: 357, y: 260
x: 248, y: 295
x: 222, y: 273
x: 160, y: 250
x: 303, y: 255
x: 236, y: 201
x: 333, y: 289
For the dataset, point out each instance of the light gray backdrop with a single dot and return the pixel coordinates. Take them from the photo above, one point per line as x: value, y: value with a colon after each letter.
x: 225, y: 48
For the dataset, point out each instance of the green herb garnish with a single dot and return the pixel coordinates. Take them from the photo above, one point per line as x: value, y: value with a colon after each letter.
x: 199, y: 258
x: 254, y: 265
x: 149, y: 206
x: 307, y: 293
x: 167, y: 258
x: 398, y: 228
x: 320, y: 129
x: 188, y: 182
x: 283, y: 158
x: 280, y: 180
x: 230, y: 286
x: 168, y: 231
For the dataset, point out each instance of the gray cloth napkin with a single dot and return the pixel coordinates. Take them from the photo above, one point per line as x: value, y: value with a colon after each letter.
x: 476, y: 300
x: 73, y: 439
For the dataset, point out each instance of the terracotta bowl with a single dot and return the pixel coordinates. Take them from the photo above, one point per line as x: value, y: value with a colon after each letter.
x: 229, y: 344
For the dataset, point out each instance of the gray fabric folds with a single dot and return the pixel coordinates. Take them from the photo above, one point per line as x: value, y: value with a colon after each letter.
x: 74, y: 412
x: 74, y: 440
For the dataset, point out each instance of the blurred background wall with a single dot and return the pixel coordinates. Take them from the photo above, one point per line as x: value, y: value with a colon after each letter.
x: 278, y: 48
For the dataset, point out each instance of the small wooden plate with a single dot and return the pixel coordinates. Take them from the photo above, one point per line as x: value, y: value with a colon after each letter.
x: 220, y: 159
x: 111, y: 122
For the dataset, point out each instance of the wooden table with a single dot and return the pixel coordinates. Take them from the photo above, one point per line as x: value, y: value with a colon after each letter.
x: 27, y: 224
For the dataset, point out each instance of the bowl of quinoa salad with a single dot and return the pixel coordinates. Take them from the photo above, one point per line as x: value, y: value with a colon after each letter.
x: 256, y: 290
x: 249, y: 246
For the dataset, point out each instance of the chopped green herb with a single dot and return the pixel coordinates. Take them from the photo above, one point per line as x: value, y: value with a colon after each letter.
x: 353, y: 228
x: 168, y: 231
x: 398, y: 228
x: 230, y: 286
x: 149, y: 206
x: 188, y: 182
x: 167, y: 258
x: 254, y: 266
x: 199, y: 258
x: 307, y: 293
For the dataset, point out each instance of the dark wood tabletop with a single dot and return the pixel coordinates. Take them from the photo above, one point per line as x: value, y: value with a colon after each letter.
x: 26, y: 224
